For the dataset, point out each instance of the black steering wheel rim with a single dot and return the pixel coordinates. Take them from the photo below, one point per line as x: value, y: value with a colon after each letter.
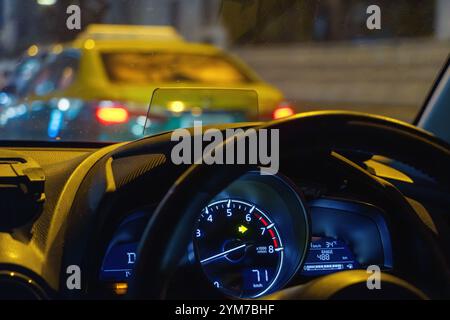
x: 168, y: 234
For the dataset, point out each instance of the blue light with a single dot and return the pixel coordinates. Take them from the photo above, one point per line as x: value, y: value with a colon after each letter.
x: 54, y: 124
x: 4, y: 98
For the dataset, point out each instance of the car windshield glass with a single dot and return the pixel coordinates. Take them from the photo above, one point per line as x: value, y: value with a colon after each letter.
x: 56, y: 74
x: 90, y: 70
x: 22, y: 75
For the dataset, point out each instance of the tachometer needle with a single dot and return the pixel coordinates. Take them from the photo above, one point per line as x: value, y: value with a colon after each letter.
x: 219, y: 255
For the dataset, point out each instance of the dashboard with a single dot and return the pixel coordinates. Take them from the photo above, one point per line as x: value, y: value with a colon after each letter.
x: 257, y: 236
x: 253, y: 239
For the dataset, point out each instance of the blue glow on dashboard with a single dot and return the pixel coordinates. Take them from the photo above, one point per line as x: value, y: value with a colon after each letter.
x: 118, y: 263
x: 326, y: 255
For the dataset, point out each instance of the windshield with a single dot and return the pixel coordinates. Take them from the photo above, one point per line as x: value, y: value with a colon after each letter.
x: 119, y: 70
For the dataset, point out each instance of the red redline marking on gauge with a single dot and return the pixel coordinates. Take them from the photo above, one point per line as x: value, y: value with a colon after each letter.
x: 275, y: 243
x: 264, y: 222
x: 269, y: 228
x: 274, y: 238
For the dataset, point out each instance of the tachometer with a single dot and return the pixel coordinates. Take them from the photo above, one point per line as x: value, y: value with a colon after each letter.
x: 239, y: 248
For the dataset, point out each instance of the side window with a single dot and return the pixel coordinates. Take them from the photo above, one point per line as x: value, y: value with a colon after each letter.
x: 57, y: 74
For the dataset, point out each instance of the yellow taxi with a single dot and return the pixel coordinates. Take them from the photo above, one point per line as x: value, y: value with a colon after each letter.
x: 128, y: 68
x: 110, y: 72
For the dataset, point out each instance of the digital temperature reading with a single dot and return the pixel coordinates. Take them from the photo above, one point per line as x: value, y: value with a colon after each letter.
x: 327, y: 255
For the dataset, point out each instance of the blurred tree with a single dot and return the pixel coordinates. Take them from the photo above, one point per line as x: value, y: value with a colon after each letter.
x: 246, y: 21
x: 256, y: 21
x: 261, y: 21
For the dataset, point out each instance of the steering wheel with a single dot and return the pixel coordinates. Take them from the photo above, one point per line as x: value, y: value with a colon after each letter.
x: 418, y: 256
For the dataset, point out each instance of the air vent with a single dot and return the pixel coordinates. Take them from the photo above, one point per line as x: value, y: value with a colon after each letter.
x: 21, y: 190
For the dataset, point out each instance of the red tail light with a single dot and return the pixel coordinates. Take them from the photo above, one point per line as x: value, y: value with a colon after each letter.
x: 112, y: 115
x: 283, y: 110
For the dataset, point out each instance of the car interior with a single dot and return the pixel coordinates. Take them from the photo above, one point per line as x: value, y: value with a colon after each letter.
x: 356, y: 194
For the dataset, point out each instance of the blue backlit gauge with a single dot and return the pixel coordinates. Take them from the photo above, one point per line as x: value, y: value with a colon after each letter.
x: 119, y: 262
x: 239, y: 248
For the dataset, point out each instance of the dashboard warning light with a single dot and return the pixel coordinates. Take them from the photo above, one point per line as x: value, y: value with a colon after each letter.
x: 120, y: 288
x: 242, y: 229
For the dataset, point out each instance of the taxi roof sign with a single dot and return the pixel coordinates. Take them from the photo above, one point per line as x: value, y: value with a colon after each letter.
x: 130, y: 32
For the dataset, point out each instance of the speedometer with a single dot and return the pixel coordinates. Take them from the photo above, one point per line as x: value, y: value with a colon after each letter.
x: 239, y: 248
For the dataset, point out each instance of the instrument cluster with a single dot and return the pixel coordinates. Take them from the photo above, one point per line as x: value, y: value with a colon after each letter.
x: 260, y: 235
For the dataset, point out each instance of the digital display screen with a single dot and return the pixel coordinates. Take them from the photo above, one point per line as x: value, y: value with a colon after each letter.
x: 327, y: 255
x: 118, y: 263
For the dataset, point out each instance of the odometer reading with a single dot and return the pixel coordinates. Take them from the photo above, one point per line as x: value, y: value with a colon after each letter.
x: 239, y: 248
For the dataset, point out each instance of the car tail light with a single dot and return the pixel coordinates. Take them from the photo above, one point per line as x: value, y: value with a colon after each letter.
x: 113, y: 114
x: 283, y: 110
